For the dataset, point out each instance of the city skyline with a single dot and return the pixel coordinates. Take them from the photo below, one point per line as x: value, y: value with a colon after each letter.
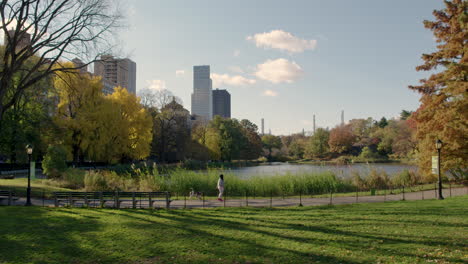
x: 334, y: 55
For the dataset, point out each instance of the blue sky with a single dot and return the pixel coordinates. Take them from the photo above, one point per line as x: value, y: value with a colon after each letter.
x: 285, y: 60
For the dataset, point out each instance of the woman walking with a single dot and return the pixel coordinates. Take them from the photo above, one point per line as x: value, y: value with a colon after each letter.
x: 220, y: 187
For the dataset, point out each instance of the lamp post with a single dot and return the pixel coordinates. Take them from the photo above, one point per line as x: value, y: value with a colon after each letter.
x: 29, y: 150
x: 439, y: 147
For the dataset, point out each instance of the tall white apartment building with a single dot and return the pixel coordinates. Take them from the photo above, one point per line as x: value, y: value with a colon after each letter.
x: 117, y: 72
x: 202, y: 103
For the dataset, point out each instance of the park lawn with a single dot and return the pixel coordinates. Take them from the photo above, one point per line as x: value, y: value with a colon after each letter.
x: 394, y: 232
x: 38, y: 187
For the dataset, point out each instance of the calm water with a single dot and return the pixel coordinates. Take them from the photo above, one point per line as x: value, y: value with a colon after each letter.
x: 340, y: 170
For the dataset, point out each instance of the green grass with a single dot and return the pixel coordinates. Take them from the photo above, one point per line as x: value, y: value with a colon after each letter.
x: 38, y: 187
x: 394, y: 232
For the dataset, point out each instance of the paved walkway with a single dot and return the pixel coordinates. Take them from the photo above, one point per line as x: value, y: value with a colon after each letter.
x: 278, y: 201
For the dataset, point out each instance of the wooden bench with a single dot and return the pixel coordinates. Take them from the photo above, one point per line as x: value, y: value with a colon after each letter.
x: 10, y: 196
x: 150, y: 197
x: 116, y: 197
x: 86, y: 197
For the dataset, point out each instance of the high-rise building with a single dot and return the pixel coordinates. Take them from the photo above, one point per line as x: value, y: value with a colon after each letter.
x: 342, y: 117
x: 314, y: 124
x: 202, y: 103
x: 263, y: 126
x: 24, y: 39
x: 117, y: 72
x: 83, y: 68
x: 221, y: 103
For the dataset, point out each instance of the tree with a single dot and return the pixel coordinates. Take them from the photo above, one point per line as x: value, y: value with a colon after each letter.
x: 28, y: 121
x: 341, y: 139
x: 171, y: 132
x: 271, y: 142
x: 297, y: 148
x: 252, y: 148
x: 55, y: 161
x: 133, y: 138
x: 396, y: 139
x: 157, y: 98
x: 317, y: 145
x: 229, y: 138
x: 362, y: 129
x: 40, y: 33
x: 405, y: 114
x: 382, y: 123
x: 79, y: 96
x: 443, y: 111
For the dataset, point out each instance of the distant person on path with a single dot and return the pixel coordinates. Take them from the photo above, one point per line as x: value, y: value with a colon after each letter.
x: 220, y: 187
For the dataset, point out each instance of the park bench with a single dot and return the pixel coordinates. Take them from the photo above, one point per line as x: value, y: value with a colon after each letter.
x: 150, y: 197
x: 9, y: 196
x: 70, y: 198
x: 116, y: 197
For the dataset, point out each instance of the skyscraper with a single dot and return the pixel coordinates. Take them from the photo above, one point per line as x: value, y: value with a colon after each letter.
x: 263, y: 126
x: 23, y: 40
x: 117, y: 72
x: 221, y: 103
x: 202, y: 103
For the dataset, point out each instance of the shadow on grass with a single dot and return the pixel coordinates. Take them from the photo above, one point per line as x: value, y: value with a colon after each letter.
x: 279, y: 235
x: 238, y: 242
x: 34, y: 235
x: 377, y: 240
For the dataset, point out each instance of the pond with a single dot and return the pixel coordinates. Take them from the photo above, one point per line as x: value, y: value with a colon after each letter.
x: 344, y: 171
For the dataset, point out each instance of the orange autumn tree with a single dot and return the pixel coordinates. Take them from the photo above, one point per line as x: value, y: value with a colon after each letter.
x: 443, y: 112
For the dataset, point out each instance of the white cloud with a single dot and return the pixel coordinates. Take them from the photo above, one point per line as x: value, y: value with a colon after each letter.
x: 235, y: 80
x: 236, y: 53
x: 278, y: 71
x: 236, y: 69
x: 282, y: 40
x: 179, y: 73
x: 156, y: 84
x: 269, y: 93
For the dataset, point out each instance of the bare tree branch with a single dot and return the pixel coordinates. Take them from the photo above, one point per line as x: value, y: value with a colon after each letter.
x: 39, y: 34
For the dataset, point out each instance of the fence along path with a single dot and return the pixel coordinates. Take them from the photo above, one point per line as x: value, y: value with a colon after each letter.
x: 185, y: 202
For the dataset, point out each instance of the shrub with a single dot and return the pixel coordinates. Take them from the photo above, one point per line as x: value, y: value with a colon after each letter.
x: 94, y: 181
x: 73, y: 178
x: 54, y: 162
x: 343, y: 160
x: 376, y: 180
x: 407, y: 178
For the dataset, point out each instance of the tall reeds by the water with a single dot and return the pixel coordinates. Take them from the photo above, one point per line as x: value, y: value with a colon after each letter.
x: 182, y: 181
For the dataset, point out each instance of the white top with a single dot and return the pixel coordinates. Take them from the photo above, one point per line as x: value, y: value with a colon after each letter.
x: 220, y: 183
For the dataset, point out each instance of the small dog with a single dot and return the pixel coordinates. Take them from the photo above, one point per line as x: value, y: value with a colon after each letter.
x: 194, y: 194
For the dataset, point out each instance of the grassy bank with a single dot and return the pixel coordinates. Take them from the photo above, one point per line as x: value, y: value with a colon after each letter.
x: 38, y: 187
x: 396, y: 232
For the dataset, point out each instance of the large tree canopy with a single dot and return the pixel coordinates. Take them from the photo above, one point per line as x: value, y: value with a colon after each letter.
x: 40, y: 33
x: 443, y: 112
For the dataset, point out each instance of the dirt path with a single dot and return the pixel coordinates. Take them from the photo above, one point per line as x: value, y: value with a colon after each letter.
x: 278, y: 201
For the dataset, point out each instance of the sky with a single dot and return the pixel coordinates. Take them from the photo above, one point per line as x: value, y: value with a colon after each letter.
x: 285, y: 61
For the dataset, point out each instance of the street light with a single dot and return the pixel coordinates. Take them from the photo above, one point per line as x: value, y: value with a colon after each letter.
x: 29, y: 150
x: 439, y: 147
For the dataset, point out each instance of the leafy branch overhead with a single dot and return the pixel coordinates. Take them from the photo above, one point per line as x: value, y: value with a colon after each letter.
x: 41, y: 33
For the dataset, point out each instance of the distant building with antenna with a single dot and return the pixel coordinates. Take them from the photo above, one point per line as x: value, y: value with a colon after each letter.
x: 314, y: 123
x: 263, y: 126
x: 342, y: 117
